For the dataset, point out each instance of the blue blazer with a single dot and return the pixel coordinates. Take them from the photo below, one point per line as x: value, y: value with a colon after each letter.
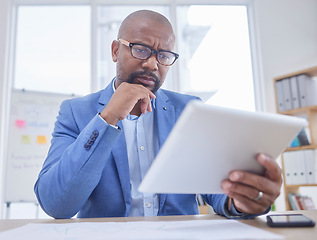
x: 87, y: 171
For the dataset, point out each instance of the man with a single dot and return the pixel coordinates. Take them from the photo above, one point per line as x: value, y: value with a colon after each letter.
x: 104, y: 143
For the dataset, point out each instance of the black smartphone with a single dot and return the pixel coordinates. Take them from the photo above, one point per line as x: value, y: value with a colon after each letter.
x: 289, y: 220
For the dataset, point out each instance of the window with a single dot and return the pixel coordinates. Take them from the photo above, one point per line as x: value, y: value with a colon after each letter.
x: 215, y: 54
x: 53, y: 49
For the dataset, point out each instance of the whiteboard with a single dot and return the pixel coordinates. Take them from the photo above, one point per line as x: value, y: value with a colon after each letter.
x: 31, y: 123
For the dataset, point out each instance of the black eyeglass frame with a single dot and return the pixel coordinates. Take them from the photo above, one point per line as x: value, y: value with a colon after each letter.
x: 130, y: 45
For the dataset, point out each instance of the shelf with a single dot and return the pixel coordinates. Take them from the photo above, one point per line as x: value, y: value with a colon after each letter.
x: 309, y: 71
x: 298, y: 111
x: 310, y: 113
x: 301, y: 148
x: 300, y: 185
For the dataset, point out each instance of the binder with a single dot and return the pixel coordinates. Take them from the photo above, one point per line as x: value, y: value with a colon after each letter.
x: 307, y: 90
x: 294, y: 167
x: 307, y: 203
x: 300, y: 167
x: 288, y: 169
x: 302, y: 89
x: 295, y: 92
x: 310, y: 166
x: 315, y: 166
x: 288, y: 104
x: 292, y: 201
x: 304, y: 137
x: 313, y: 92
x: 298, y: 197
x: 280, y: 95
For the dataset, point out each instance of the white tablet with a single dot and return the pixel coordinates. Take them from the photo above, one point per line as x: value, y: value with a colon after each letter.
x: 208, y: 142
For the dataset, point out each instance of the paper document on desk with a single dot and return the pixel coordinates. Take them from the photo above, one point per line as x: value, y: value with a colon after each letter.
x: 197, y: 229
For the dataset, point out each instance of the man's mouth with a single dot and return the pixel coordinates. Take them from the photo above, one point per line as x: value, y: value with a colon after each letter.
x: 145, y: 80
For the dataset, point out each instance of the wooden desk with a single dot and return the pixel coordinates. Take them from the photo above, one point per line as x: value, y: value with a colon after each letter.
x: 259, y: 222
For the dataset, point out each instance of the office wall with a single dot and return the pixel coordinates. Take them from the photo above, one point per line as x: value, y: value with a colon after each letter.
x: 4, y: 6
x: 287, y: 31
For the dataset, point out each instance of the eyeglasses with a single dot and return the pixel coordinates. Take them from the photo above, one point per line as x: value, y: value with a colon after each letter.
x: 143, y: 52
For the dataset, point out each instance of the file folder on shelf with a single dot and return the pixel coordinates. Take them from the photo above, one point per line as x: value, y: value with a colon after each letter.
x: 307, y: 90
x: 288, y: 104
x: 295, y: 92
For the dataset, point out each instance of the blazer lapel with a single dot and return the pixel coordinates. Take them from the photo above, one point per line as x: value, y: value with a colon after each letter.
x: 165, y: 116
x: 165, y: 119
x: 120, y: 156
x: 105, y: 97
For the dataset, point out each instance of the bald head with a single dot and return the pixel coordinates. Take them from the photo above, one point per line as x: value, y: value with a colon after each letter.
x: 142, y: 17
x: 149, y: 30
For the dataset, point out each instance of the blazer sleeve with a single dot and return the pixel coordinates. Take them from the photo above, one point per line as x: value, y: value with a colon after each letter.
x: 219, y: 203
x: 73, y: 166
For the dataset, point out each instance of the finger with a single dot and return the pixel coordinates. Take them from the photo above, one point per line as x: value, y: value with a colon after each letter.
x: 231, y: 189
x: 244, y: 198
x: 273, y: 171
x: 146, y: 105
x: 146, y: 91
x: 246, y: 205
x: 152, y: 95
x: 149, y: 106
x: 255, y: 181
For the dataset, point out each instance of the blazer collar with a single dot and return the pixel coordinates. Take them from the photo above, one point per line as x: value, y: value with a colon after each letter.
x: 165, y: 116
x: 120, y: 156
x: 165, y: 119
x: 105, y: 96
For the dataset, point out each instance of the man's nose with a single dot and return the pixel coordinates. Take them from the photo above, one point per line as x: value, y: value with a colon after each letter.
x: 151, y: 63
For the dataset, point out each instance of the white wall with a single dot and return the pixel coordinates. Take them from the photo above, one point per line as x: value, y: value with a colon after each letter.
x: 287, y: 31
x: 4, y: 11
x: 4, y: 5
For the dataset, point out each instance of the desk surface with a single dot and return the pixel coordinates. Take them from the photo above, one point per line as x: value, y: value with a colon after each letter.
x: 259, y: 222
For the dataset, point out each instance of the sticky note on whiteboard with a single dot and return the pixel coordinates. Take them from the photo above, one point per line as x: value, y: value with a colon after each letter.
x: 20, y: 123
x: 41, y: 139
x: 26, y: 139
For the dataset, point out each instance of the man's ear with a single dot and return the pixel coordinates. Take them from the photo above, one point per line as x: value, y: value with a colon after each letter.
x: 115, y: 50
